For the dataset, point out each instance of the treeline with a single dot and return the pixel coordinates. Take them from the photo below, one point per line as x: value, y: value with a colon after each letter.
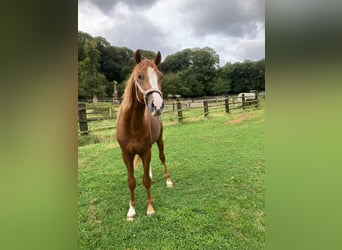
x: 189, y: 73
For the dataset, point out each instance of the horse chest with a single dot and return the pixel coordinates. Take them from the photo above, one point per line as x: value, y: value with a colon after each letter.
x: 135, y: 144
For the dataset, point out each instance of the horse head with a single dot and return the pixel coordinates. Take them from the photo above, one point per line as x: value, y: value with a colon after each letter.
x: 148, y: 83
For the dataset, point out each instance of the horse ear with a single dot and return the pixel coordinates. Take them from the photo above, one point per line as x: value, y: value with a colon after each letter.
x: 158, y: 58
x: 137, y: 56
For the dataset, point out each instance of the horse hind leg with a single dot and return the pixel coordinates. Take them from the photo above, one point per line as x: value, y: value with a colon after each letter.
x: 137, y: 159
x: 160, y: 144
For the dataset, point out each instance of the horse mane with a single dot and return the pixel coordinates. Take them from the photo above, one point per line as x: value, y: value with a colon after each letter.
x: 128, y: 95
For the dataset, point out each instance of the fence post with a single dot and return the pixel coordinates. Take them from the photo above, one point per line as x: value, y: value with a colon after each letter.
x: 110, y: 112
x: 226, y: 103
x: 243, y: 101
x: 205, y: 105
x: 256, y: 99
x: 179, y: 109
x: 82, y: 118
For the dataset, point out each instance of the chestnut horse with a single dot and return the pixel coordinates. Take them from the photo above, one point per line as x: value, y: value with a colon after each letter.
x: 139, y: 125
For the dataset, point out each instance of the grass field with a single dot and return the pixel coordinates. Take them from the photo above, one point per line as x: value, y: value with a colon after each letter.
x: 217, y: 166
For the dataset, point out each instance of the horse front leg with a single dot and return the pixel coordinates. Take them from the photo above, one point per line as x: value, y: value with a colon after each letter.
x: 128, y: 159
x: 146, y: 159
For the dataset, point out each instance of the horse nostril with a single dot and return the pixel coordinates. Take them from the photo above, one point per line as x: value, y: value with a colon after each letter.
x: 156, y: 112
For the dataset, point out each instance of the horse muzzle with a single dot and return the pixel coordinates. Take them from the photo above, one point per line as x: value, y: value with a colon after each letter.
x: 155, y: 103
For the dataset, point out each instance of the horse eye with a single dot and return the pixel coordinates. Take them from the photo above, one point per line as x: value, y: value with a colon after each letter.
x: 140, y: 77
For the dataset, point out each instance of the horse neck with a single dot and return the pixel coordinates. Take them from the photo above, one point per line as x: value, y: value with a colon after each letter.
x: 135, y: 115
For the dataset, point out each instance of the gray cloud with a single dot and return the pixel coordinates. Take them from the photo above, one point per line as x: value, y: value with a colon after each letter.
x: 106, y: 6
x: 229, y: 17
x: 233, y: 28
x: 135, y: 31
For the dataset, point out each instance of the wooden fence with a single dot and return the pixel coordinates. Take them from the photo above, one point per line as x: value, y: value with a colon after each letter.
x: 91, y: 113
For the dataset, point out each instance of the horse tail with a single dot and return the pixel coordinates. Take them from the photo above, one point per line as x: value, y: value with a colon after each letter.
x: 136, y: 161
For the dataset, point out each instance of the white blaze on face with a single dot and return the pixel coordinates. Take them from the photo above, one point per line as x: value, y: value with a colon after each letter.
x: 152, y: 76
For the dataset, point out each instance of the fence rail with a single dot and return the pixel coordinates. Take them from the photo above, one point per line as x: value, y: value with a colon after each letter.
x: 174, y: 110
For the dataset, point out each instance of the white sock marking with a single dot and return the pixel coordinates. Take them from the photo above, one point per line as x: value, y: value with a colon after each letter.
x: 131, y: 211
x: 169, y: 183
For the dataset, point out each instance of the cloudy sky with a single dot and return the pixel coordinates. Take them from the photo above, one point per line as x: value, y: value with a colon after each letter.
x: 235, y: 29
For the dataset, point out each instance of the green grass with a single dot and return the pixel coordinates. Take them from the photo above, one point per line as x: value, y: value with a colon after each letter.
x: 217, y: 201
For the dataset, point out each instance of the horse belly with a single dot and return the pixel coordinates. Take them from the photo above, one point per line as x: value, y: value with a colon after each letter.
x: 139, y: 147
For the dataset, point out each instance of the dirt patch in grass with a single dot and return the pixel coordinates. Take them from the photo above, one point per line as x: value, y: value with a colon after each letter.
x: 91, y: 139
x: 241, y: 118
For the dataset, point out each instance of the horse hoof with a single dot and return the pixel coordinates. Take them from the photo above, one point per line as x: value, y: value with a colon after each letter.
x: 130, y: 218
x: 150, y: 214
x: 169, y: 184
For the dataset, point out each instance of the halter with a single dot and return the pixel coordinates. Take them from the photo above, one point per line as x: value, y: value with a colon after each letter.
x: 146, y: 93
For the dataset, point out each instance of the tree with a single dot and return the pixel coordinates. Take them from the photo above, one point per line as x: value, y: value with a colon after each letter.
x: 205, y: 64
x: 147, y: 54
x: 260, y: 75
x: 189, y: 73
x: 177, y: 62
x: 173, y: 85
x: 221, y: 84
x: 82, y: 38
x: 245, y: 76
x: 196, y: 69
x: 91, y: 82
x: 188, y: 78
